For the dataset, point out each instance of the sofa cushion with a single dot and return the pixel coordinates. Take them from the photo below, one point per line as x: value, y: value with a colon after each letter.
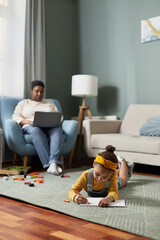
x: 136, y: 116
x: 151, y: 127
x: 128, y: 143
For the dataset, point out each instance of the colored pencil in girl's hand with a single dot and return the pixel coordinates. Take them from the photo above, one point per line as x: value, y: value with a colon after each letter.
x: 76, y: 191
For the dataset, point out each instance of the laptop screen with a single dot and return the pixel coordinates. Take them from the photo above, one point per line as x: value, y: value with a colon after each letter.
x: 47, y: 119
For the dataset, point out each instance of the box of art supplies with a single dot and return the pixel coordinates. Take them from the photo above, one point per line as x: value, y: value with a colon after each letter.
x: 15, y: 170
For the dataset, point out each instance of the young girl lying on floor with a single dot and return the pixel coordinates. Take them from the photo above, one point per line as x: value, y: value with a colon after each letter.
x: 103, y: 180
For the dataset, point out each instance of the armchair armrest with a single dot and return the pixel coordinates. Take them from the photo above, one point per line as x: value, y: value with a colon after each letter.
x: 70, y: 129
x: 13, y: 132
x: 15, y: 139
x: 93, y: 126
x: 101, y: 126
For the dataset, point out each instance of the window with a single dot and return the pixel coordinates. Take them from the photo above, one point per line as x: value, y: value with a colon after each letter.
x: 12, y: 33
x: 1, y: 42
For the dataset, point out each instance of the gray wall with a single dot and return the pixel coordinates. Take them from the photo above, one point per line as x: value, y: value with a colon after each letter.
x: 108, y: 45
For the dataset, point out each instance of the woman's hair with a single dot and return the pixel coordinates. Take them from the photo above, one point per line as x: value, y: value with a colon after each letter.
x: 36, y: 83
x: 109, y: 154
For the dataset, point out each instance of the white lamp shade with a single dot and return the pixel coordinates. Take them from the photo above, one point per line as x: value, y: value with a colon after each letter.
x: 84, y: 85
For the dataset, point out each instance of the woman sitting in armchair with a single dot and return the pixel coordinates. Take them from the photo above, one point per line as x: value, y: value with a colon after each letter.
x: 49, y: 152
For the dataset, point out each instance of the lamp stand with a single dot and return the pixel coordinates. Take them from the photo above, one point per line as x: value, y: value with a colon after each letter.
x: 81, y: 117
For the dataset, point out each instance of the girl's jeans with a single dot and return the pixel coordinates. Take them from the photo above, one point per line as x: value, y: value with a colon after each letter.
x: 48, y: 143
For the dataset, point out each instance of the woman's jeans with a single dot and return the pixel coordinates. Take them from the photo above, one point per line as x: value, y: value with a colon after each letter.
x: 48, y: 143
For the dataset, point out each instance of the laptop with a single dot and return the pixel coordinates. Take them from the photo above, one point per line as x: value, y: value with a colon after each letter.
x: 47, y: 119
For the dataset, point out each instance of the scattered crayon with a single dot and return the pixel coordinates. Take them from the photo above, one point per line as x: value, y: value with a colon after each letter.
x: 66, y: 201
x: 6, y: 178
x: 31, y: 185
x: 38, y: 180
x: 64, y: 175
x: 14, y: 178
x: 25, y: 175
x: 28, y: 177
x: 33, y: 173
x: 40, y: 176
x: 27, y: 182
x: 34, y: 176
x: 20, y: 178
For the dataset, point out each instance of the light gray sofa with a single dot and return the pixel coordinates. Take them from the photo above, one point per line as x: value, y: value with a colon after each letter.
x: 124, y: 135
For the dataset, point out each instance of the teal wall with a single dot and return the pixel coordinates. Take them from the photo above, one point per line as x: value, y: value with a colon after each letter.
x: 60, y: 51
x: 109, y: 40
x: 108, y: 45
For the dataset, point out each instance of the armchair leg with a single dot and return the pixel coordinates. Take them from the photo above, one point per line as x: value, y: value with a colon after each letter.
x: 25, y: 161
x: 71, y: 154
x: 14, y: 159
x: 63, y: 167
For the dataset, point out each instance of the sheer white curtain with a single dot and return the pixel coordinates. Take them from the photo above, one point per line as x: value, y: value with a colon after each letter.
x: 12, y: 36
x: 35, y: 59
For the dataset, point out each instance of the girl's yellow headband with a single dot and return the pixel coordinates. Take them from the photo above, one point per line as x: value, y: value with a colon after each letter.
x: 106, y: 163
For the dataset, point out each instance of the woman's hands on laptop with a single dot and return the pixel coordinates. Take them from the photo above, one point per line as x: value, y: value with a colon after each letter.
x: 25, y: 121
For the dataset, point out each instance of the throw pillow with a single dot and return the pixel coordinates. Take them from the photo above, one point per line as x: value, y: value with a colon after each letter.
x: 151, y: 127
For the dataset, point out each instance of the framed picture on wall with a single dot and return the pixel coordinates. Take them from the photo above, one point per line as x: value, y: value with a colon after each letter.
x: 150, y: 29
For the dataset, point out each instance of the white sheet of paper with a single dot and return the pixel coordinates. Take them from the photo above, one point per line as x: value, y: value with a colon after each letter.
x: 95, y: 201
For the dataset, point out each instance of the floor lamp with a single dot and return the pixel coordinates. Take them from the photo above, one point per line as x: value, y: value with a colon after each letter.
x: 83, y: 86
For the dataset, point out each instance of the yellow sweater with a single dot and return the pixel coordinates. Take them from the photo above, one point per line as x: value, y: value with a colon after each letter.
x: 96, y: 186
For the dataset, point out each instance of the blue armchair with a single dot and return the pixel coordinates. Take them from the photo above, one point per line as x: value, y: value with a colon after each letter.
x: 20, y: 143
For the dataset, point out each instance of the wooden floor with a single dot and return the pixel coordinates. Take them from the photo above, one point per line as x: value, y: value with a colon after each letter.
x: 21, y: 221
